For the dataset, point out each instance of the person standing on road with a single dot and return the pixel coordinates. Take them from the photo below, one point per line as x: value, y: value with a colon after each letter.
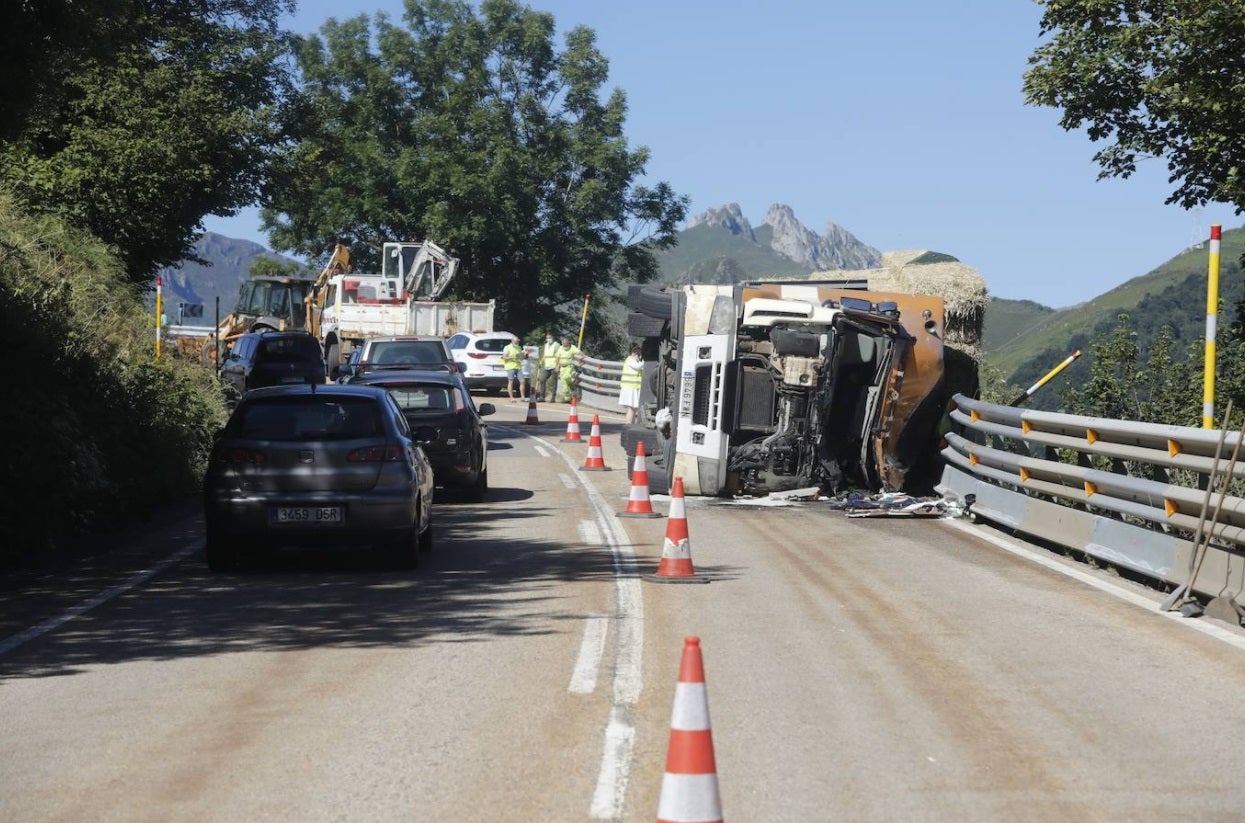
x: 512, y: 360
x: 548, y: 388
x: 526, y: 373
x: 569, y: 356
x: 629, y: 384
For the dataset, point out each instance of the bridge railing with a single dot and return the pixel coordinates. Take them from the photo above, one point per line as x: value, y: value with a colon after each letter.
x: 1127, y: 493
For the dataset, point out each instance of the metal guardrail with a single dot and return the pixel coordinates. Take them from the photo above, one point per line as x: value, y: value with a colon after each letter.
x: 1127, y: 493
x: 598, y: 383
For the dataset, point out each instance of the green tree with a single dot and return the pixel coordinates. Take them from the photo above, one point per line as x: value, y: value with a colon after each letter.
x: 170, y: 117
x: 1111, y: 390
x: 473, y: 130
x: 269, y: 267
x: 1155, y: 78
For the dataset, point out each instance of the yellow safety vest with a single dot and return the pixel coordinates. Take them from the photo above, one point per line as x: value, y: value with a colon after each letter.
x: 512, y: 357
x: 566, y: 355
x: 549, y: 356
x: 630, y: 375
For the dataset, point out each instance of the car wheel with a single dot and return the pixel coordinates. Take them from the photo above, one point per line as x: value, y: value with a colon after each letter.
x: 220, y: 557
x: 404, y: 550
x: 426, y: 539
x: 477, y: 490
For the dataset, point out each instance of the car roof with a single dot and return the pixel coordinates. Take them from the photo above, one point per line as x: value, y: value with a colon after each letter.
x: 269, y: 335
x: 405, y: 338
x: 303, y: 389
x: 406, y: 376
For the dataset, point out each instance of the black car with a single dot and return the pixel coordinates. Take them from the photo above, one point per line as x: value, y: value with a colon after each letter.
x: 403, y: 353
x: 318, y: 465
x: 459, y: 453
x: 271, y: 358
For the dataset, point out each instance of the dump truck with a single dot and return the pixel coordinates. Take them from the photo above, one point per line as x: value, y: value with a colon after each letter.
x: 776, y: 385
x: 344, y: 308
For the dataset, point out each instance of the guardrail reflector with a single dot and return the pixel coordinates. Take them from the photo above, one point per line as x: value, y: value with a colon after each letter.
x: 1024, y: 474
x: 1091, y: 436
x: 1090, y: 489
x: 1169, y: 507
x: 974, y: 416
x: 972, y: 459
x: 1026, y: 426
x: 1173, y: 448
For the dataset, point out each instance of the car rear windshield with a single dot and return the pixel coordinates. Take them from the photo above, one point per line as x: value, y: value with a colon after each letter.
x: 407, y: 353
x: 306, y: 417
x: 492, y: 344
x: 422, y: 398
x: 290, y: 349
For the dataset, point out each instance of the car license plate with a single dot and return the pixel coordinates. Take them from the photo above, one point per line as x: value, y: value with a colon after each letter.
x: 308, y: 515
x: 498, y: 367
x: 291, y: 379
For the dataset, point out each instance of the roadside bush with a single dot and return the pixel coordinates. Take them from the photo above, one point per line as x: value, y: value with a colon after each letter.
x: 98, y: 431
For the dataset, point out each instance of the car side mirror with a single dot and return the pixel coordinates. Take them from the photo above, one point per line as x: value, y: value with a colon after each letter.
x: 485, y: 409
x: 425, y: 435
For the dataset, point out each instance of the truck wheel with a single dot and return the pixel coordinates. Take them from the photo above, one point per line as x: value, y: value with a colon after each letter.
x: 643, y: 325
x: 207, y: 354
x: 332, y: 364
x: 635, y: 433
x: 653, y: 302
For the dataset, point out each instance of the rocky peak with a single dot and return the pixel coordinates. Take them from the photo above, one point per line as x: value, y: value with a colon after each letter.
x: 729, y: 217
x: 836, y: 249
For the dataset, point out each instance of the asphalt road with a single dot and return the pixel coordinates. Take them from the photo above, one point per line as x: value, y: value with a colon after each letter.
x: 860, y: 669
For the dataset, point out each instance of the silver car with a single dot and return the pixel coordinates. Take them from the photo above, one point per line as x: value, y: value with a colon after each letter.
x: 315, y: 466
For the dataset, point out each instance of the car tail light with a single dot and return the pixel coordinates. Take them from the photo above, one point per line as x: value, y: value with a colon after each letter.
x: 243, y: 457
x: 378, y: 454
x: 477, y: 355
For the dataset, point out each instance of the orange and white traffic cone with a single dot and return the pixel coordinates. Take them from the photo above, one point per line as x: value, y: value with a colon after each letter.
x: 532, y: 419
x: 638, y: 504
x: 595, y: 461
x: 689, y: 789
x: 572, y: 425
x: 676, y: 549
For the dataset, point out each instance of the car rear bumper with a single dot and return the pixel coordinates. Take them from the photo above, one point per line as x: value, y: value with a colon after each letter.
x: 370, y: 519
x: 486, y: 381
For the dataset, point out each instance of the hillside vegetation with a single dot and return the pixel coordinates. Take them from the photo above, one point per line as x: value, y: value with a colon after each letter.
x: 98, y: 430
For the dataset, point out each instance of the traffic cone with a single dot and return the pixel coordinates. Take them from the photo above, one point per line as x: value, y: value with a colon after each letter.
x: 572, y: 425
x: 595, y: 461
x: 532, y: 419
x: 689, y: 789
x: 676, y: 549
x: 638, y: 505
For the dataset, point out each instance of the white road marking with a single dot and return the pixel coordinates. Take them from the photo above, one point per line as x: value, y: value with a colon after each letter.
x: 616, y: 759
x: 86, y: 605
x: 591, y: 648
x: 1152, y: 606
x: 541, y: 451
x: 590, y: 534
x: 567, y: 481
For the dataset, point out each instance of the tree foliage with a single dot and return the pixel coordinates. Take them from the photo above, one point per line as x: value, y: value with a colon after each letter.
x: 472, y: 129
x: 158, y: 113
x: 1155, y: 78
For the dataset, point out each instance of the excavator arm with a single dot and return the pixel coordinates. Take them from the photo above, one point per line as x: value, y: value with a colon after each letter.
x: 338, y: 263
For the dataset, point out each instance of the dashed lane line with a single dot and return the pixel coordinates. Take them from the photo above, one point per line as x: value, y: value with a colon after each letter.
x: 591, y: 649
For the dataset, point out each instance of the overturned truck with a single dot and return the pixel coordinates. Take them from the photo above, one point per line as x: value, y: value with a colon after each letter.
x: 768, y: 386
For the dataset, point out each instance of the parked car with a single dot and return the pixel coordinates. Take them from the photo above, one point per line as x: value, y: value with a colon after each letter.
x: 271, y: 358
x: 318, y: 465
x: 479, y: 359
x: 459, y: 453
x: 406, y: 352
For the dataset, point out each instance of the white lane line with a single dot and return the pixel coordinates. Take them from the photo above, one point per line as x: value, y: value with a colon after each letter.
x: 591, y: 648
x: 1206, y: 627
x: 86, y: 605
x: 567, y: 481
x: 541, y: 451
x: 611, y: 794
x: 590, y: 534
x: 616, y: 758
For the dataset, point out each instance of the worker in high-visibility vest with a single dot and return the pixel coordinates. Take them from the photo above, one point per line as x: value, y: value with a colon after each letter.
x: 568, y: 357
x: 512, y: 360
x: 547, y: 387
x: 629, y: 384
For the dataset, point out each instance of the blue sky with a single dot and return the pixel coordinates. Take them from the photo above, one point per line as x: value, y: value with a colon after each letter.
x: 902, y: 122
